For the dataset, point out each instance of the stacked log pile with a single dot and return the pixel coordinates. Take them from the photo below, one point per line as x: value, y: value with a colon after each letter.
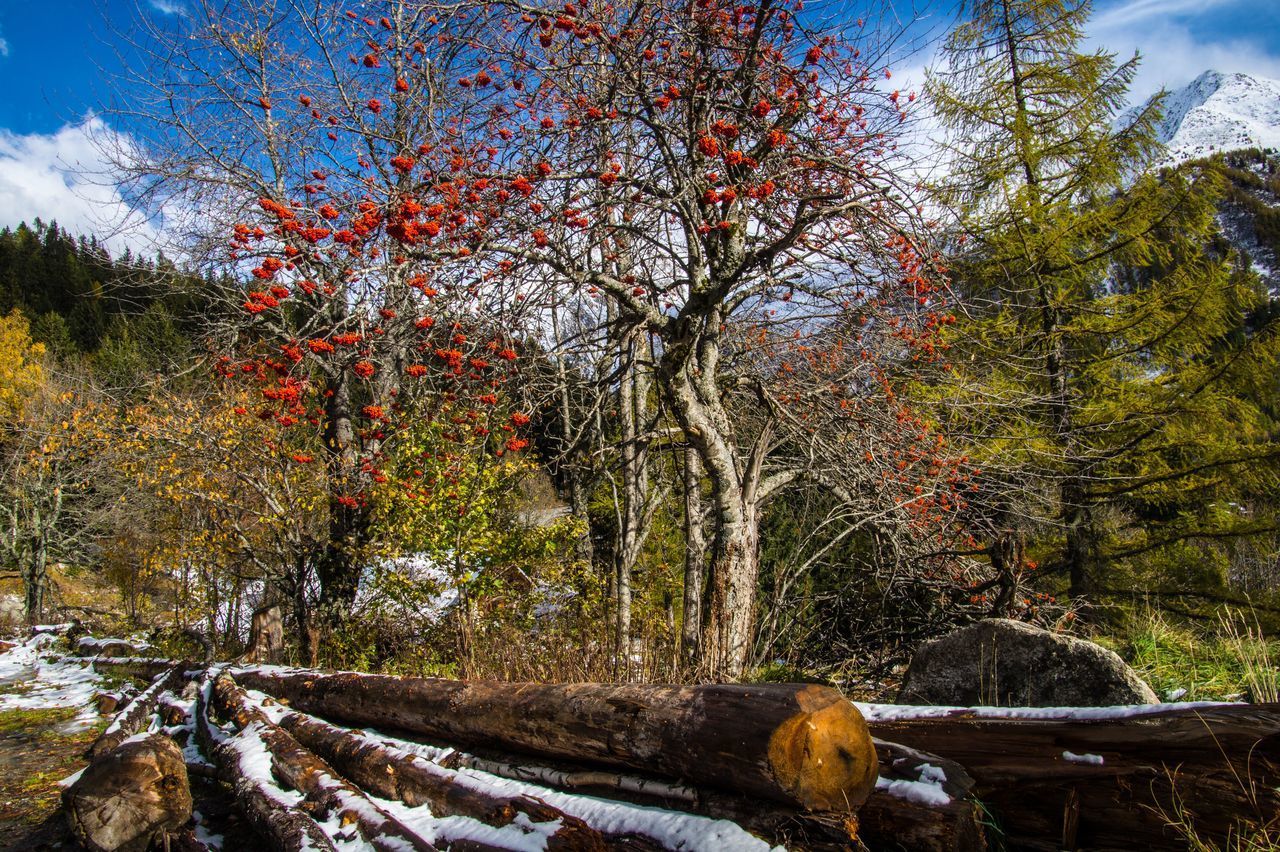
x: 793, y: 764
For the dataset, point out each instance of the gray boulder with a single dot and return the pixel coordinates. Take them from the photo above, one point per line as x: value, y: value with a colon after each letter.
x: 1004, y: 663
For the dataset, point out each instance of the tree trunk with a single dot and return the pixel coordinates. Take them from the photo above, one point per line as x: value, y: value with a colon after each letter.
x: 735, y: 540
x: 266, y: 635
x: 311, y: 776
x: 694, y: 558
x: 633, y: 405
x: 804, y: 745
x: 129, y: 720
x: 338, y: 567
x: 285, y: 829
x: 1111, y: 783
x: 1082, y: 547
x: 35, y: 580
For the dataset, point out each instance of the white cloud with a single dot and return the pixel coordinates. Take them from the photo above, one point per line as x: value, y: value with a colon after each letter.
x: 1174, y: 49
x: 4, y: 47
x: 64, y: 176
x: 168, y: 7
x: 1135, y: 11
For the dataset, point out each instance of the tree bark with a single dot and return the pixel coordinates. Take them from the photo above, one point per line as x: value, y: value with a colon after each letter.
x: 804, y: 745
x: 35, y: 579
x: 311, y: 776
x: 694, y: 561
x: 338, y: 568
x: 1112, y: 783
x: 735, y: 541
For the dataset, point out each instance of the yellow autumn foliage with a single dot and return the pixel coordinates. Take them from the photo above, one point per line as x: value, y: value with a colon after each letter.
x: 21, y: 365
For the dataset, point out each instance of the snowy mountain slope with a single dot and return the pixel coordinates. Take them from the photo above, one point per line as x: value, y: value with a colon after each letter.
x: 1220, y: 112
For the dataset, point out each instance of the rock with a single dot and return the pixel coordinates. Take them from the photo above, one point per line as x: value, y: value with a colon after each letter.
x: 5, y: 647
x: 1004, y: 663
x: 130, y: 796
x: 90, y: 647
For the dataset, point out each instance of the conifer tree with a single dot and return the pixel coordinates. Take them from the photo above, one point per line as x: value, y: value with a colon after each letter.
x: 1107, y: 374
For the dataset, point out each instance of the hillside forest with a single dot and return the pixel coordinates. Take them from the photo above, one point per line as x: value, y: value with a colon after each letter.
x: 644, y: 341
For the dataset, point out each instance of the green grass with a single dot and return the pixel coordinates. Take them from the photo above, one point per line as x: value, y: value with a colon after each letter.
x: 17, y: 721
x: 1223, y: 661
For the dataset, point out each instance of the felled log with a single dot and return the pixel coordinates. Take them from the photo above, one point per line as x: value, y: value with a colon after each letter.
x: 88, y: 646
x: 128, y: 721
x: 128, y: 796
x: 800, y: 744
x: 316, y: 780
x: 922, y: 802
x: 1109, y: 780
x: 394, y: 774
x: 282, y: 826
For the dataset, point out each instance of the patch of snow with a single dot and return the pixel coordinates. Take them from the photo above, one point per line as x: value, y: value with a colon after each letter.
x: 1091, y: 759
x: 53, y: 680
x: 928, y: 793
x: 203, y: 834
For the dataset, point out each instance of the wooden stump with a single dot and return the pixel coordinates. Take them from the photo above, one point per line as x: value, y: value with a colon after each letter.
x: 266, y: 636
x: 128, y: 797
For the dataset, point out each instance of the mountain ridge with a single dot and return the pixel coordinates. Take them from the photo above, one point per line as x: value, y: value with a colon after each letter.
x: 1218, y: 112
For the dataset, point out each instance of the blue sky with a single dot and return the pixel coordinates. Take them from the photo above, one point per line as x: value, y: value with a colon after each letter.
x: 54, y: 55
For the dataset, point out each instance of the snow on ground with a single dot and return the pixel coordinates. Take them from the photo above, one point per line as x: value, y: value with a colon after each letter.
x: 48, y: 680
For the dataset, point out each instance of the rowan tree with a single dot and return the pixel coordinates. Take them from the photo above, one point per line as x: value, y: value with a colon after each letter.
x: 322, y: 160
x: 711, y: 172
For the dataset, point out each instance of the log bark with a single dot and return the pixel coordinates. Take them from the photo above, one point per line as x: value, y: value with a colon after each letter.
x: 394, y: 774
x: 803, y: 745
x: 896, y: 817
x: 128, y: 796
x: 131, y: 719
x: 284, y: 828
x: 1112, y: 783
x: 316, y: 780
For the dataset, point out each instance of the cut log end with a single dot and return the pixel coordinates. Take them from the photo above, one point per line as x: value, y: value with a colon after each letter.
x: 823, y: 755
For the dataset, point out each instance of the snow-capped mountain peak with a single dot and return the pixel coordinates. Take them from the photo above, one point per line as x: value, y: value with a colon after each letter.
x: 1220, y: 112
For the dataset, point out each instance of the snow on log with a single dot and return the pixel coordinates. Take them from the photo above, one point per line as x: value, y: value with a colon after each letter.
x: 393, y: 774
x: 1106, y: 778
x: 135, y: 714
x: 246, y: 763
x: 303, y: 771
x: 922, y: 802
x: 801, y: 744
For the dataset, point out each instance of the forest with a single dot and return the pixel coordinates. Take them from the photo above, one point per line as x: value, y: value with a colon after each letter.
x: 643, y: 344
x: 690, y: 366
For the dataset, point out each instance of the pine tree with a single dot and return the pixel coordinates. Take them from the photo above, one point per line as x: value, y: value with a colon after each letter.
x: 1107, y: 375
